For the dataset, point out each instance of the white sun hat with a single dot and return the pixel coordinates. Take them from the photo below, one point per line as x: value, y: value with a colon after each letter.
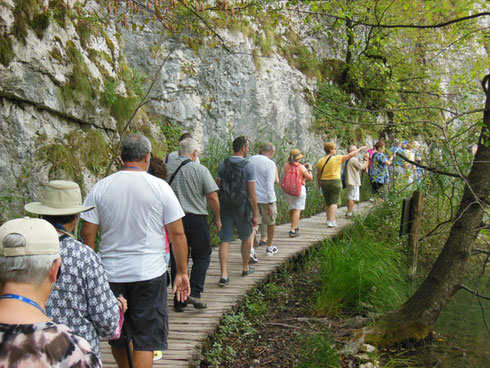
x: 60, y: 198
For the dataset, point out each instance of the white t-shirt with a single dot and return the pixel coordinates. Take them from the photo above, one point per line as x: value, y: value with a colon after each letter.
x: 265, y: 170
x: 131, y: 210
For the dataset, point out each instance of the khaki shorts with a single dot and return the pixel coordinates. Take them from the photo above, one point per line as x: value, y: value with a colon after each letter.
x: 264, y: 218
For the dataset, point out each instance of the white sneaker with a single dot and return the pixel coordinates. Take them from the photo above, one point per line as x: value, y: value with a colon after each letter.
x: 331, y: 223
x: 270, y: 251
x: 253, y: 256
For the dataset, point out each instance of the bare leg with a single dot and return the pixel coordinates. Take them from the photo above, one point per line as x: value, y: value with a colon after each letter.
x: 120, y: 356
x: 223, y: 258
x: 142, y: 359
x: 264, y: 230
x: 295, y: 215
x: 350, y: 206
x: 271, y: 230
x: 331, y: 212
x: 245, y: 249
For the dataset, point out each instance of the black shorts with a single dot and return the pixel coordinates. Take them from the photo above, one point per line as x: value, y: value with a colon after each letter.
x: 146, y: 319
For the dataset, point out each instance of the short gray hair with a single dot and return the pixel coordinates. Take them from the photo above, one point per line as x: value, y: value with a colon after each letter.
x: 266, y: 147
x: 31, y: 269
x: 135, y: 147
x: 187, y: 146
x: 351, y: 148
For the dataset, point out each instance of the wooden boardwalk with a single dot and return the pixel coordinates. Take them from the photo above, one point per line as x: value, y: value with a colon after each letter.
x: 190, y: 329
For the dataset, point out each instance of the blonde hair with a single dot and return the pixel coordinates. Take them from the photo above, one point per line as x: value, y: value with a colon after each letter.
x: 329, y: 147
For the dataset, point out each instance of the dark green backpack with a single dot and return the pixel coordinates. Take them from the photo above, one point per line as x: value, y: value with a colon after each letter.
x: 233, y: 187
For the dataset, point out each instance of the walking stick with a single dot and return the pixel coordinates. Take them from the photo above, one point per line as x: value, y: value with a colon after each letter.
x: 126, y: 342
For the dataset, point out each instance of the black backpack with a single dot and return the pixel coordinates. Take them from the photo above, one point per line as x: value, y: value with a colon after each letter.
x: 233, y: 185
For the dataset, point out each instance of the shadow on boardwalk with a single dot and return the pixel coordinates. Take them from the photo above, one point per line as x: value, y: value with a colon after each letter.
x: 190, y: 329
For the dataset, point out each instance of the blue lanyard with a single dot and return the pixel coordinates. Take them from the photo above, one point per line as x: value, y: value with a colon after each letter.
x: 23, y: 299
x: 131, y: 167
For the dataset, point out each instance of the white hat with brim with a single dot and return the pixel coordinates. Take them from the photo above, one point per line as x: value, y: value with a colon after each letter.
x: 60, y: 198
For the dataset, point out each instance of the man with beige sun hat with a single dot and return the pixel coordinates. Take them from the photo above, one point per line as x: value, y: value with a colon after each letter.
x: 82, y: 298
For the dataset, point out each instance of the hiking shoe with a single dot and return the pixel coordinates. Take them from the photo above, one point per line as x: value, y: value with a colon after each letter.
x: 332, y: 223
x: 348, y: 215
x: 197, y: 302
x: 157, y: 354
x: 271, y: 250
x: 179, y: 307
x: 293, y: 234
x: 297, y: 229
x: 262, y: 243
x: 250, y: 271
x: 253, y: 257
x: 223, y: 281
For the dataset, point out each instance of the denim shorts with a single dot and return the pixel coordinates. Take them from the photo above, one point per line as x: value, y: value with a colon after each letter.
x: 241, y: 218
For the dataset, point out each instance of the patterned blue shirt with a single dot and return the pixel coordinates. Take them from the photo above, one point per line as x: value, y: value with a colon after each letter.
x: 82, y: 299
x: 378, y: 172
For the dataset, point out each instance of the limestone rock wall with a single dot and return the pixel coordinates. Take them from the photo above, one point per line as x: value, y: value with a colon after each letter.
x: 210, y: 93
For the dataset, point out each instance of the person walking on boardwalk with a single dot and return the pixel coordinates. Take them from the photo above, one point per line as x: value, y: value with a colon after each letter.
x: 378, y: 174
x: 295, y: 176
x: 238, y: 206
x: 193, y: 185
x: 29, y: 267
x: 132, y: 209
x: 82, y: 298
x: 267, y: 176
x: 328, y: 169
x: 353, y: 168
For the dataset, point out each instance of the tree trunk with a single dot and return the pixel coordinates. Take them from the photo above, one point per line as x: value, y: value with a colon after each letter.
x: 415, y: 318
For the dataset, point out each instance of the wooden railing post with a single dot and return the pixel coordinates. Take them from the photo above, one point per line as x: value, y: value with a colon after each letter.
x: 416, y: 210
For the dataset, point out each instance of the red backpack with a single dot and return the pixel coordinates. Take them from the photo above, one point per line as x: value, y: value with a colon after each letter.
x: 293, y: 180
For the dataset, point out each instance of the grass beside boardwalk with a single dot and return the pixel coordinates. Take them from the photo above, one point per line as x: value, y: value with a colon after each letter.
x: 284, y: 323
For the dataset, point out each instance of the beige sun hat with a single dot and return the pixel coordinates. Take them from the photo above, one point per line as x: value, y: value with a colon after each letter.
x: 296, y: 154
x: 37, y: 237
x: 60, y: 198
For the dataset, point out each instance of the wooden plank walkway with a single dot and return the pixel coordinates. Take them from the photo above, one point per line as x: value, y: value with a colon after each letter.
x: 190, y: 329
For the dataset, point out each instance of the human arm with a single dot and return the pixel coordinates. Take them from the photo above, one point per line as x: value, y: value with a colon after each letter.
x: 319, y: 176
x: 213, y: 202
x: 352, y: 154
x: 252, y: 198
x: 105, y: 311
x: 365, y: 162
x: 180, y: 250
x: 307, y: 172
x: 276, y: 180
x: 89, y: 233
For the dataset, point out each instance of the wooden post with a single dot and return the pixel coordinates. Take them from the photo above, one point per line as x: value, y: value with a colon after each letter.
x: 416, y: 210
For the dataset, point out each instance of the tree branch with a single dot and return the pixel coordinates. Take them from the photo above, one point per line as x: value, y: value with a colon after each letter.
x: 474, y: 292
x: 430, y: 168
x: 416, y: 26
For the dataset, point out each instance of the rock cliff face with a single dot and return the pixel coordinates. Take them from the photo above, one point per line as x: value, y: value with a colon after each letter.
x: 54, y: 92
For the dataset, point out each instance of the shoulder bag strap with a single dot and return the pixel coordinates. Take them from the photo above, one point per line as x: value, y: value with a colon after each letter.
x: 328, y: 159
x: 176, y: 171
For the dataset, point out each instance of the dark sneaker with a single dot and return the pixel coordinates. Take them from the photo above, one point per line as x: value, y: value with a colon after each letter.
x: 223, y: 281
x: 250, y: 271
x: 179, y: 307
x: 293, y: 234
x: 297, y: 230
x: 262, y: 243
x: 197, y: 302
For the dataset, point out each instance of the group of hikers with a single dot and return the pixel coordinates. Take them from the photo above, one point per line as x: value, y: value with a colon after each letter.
x: 58, y: 295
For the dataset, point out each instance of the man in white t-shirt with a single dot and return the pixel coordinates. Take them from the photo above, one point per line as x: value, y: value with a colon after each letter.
x: 133, y: 208
x: 267, y: 176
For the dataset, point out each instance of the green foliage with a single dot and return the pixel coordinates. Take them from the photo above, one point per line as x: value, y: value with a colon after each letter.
x: 335, y: 114
x: 86, y: 27
x: 79, y: 87
x: 318, y: 350
x: 6, y: 51
x: 122, y: 109
x: 360, y: 272
x: 75, y: 151
x: 110, y: 91
x: 219, y: 354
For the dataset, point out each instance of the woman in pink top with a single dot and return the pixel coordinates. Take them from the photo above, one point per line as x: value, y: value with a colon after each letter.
x: 297, y: 204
